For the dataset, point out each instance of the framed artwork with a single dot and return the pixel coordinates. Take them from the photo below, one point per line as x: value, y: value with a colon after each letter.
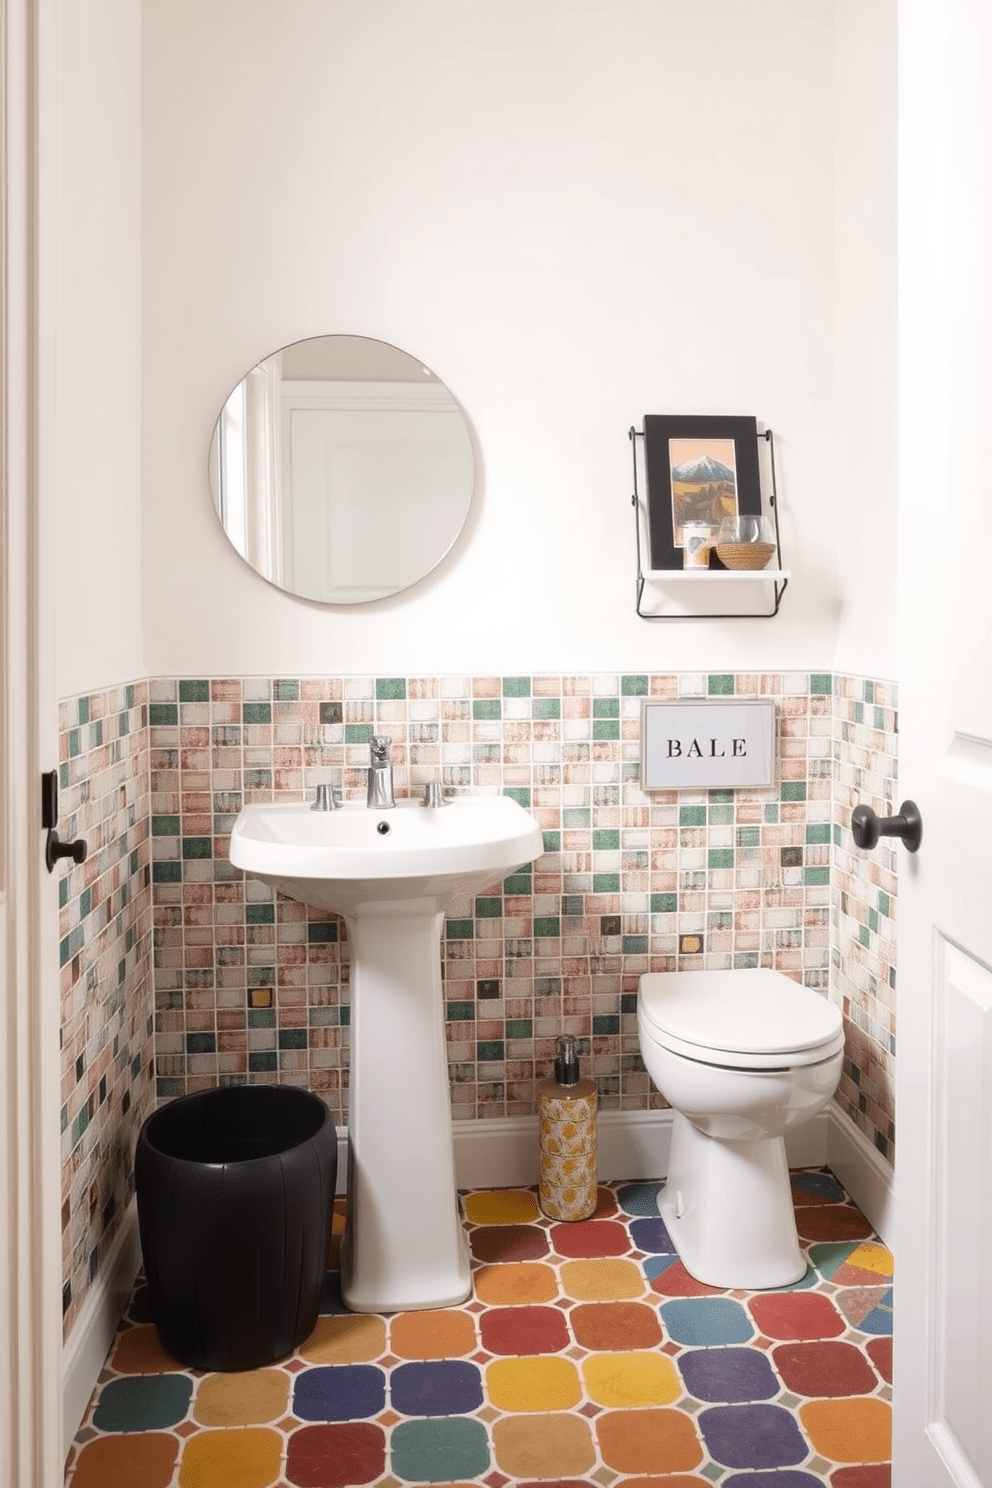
x: 699, y: 468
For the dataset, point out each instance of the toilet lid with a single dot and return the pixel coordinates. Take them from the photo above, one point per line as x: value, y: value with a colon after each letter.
x: 756, y: 1011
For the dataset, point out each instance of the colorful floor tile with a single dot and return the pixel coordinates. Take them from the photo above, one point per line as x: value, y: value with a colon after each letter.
x: 587, y: 1355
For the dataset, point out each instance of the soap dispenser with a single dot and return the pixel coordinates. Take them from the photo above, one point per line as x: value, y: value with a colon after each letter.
x: 568, y: 1138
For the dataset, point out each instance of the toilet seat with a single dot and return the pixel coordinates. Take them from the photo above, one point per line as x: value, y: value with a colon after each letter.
x: 751, y: 1019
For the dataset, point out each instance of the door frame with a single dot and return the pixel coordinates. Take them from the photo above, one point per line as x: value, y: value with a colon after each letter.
x: 31, y: 1447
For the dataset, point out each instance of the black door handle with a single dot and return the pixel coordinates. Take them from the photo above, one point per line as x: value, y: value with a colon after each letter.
x: 54, y: 849
x: 867, y: 828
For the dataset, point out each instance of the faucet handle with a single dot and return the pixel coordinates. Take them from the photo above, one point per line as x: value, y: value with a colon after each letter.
x: 434, y: 794
x: 326, y: 799
x: 380, y: 745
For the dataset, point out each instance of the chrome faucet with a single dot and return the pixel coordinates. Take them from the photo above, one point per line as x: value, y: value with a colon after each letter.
x: 380, y: 792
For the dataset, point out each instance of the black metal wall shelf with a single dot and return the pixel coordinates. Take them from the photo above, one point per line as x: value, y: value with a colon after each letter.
x: 692, y: 594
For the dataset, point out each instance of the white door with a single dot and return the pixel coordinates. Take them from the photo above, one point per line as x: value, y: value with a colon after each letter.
x: 943, y: 1335
x: 30, y: 1240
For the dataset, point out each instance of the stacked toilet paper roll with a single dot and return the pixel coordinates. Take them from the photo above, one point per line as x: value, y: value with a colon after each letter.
x: 568, y: 1153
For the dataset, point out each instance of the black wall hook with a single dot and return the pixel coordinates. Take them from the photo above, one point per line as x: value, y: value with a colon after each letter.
x: 867, y: 828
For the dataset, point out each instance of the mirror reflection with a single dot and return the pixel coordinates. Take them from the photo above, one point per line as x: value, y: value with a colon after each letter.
x: 341, y: 469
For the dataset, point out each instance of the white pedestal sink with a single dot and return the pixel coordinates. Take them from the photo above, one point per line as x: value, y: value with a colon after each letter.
x: 392, y: 874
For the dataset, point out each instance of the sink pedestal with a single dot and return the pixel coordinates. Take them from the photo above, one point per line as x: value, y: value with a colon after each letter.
x: 404, y: 1246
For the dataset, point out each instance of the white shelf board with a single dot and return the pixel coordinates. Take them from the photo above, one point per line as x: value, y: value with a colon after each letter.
x: 686, y: 593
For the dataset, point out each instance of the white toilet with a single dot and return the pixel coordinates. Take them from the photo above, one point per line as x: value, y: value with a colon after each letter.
x: 740, y: 1056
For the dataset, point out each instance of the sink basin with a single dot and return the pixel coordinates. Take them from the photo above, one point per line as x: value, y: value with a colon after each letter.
x: 392, y: 874
x: 355, y: 858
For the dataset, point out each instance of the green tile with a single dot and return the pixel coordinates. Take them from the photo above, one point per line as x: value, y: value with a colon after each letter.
x: 292, y: 1038
x: 487, y: 708
x: 628, y: 1002
x: 818, y: 832
x: 883, y: 903
x: 821, y: 683
x: 201, y: 1043
x: 520, y: 794
x: 516, y: 687
x: 745, y: 960
x: 873, y: 919
x: 635, y: 684
x: 552, y: 842
x: 880, y: 718
x: 256, y: 712
x: 606, y: 707
x: 488, y: 1049
x: 748, y: 836
x: 165, y: 826
x: 547, y: 926
x: 793, y: 790
x: 488, y: 909
x: 520, y: 882
x: 720, y: 857
x: 460, y: 929
x: 263, y: 1061
x: 607, y: 839
x: 546, y: 708
x: 869, y: 692
x: 519, y: 1028
x: 85, y: 903
x: 357, y: 733
x: 859, y: 712
x: 692, y: 816
x: 194, y: 692
x: 573, y: 905
x: 606, y: 1023
x: 163, y: 715
x: 286, y: 690
x: 198, y: 847
x: 390, y: 689
x: 606, y: 883
x: 460, y: 1012
x: 635, y: 945
x: 816, y: 876
x: 576, y: 816
x: 322, y: 932
x: 720, y: 815
x: 664, y: 903
x: 83, y: 710
x: 170, y: 872
x: 605, y: 728
x: 720, y: 684
x: 261, y: 1017
x: 260, y: 914
x: 863, y: 935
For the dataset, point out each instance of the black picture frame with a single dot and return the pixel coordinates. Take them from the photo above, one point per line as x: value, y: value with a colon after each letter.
x: 670, y: 502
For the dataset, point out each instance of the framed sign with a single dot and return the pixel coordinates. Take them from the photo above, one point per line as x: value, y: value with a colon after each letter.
x: 699, y: 468
x: 707, y: 743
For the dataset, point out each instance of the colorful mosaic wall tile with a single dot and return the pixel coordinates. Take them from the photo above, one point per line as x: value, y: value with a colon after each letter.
x: 106, y: 972
x: 252, y: 986
x: 864, y: 906
x: 586, y: 1354
x: 248, y: 986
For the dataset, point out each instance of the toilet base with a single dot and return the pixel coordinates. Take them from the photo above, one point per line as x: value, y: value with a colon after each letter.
x: 728, y: 1209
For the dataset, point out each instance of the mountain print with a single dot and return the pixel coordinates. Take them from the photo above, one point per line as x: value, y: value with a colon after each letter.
x: 700, y: 472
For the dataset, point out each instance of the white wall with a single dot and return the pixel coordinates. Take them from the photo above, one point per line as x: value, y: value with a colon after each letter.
x: 576, y: 213
x: 96, y: 578
x: 866, y: 336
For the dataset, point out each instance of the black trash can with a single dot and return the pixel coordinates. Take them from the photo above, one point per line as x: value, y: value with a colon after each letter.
x: 235, y: 1190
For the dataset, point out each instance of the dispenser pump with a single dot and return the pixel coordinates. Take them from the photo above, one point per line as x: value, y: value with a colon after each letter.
x: 567, y: 1061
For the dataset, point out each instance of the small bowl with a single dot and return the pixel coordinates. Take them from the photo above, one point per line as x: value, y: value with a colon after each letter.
x: 744, y: 555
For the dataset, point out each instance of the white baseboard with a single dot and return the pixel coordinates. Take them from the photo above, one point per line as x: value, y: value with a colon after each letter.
x: 635, y: 1144
x: 86, y: 1349
x: 501, y: 1153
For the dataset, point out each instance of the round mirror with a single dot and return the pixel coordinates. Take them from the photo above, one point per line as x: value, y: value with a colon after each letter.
x: 341, y: 469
